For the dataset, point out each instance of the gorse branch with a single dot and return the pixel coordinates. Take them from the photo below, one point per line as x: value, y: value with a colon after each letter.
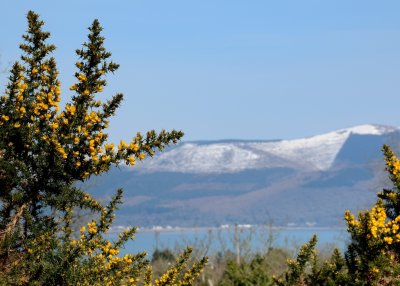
x: 44, y: 151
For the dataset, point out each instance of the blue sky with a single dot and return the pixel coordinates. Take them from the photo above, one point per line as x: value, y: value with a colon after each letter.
x: 231, y: 69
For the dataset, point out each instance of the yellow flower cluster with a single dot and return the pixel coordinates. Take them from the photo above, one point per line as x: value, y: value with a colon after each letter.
x: 70, y: 109
x: 109, y: 250
x: 46, y: 97
x: 391, y: 231
x: 168, y: 277
x: 375, y: 269
x: 20, y: 110
x: 109, y: 147
x: 93, y: 117
x: 351, y: 220
x: 92, y: 227
x: 373, y: 220
x: 84, y: 144
x: 92, y: 202
x: 122, y: 145
x: 134, y: 147
x: 190, y: 276
x: 5, y: 118
x: 57, y: 145
x: 105, y: 260
x: 82, y: 77
x: 377, y: 225
x: 131, y: 161
x: 45, y: 100
x: 393, y: 165
x: 377, y: 220
x: 87, y: 138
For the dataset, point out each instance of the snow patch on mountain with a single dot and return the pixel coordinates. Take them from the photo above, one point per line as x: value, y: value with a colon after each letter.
x: 370, y: 129
x: 319, y: 152
x: 313, y: 153
x: 194, y: 158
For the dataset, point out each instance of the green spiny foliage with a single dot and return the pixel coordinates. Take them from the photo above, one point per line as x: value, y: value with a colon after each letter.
x: 246, y: 274
x: 295, y: 274
x: 391, y: 197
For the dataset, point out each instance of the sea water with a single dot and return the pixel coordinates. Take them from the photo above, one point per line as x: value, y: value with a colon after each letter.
x: 209, y: 240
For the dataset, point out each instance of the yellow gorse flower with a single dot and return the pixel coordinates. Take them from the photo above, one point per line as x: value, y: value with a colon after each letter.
x: 378, y: 218
x: 131, y: 161
x: 71, y: 109
x: 109, y: 147
x: 388, y: 240
x: 134, y: 147
x: 122, y: 145
x: 92, y: 228
x: 82, y: 77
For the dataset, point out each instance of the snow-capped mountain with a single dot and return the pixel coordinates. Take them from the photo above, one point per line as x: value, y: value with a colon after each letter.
x: 301, y: 181
x: 313, y: 153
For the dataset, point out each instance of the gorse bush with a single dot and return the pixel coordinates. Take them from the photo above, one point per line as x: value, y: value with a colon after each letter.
x: 373, y: 253
x: 44, y: 151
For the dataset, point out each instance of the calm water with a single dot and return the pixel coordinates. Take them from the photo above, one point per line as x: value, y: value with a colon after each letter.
x: 210, y: 240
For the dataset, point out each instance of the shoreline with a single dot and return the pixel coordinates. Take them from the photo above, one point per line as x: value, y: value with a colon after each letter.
x: 171, y: 229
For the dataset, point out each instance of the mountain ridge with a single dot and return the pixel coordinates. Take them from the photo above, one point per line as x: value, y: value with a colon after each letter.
x: 319, y: 153
x: 290, y: 182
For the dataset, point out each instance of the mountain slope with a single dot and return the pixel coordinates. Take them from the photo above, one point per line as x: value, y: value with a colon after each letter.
x: 314, y: 153
x: 302, y: 181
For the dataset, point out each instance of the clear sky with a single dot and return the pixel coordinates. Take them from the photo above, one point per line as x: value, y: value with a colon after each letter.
x: 231, y: 69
